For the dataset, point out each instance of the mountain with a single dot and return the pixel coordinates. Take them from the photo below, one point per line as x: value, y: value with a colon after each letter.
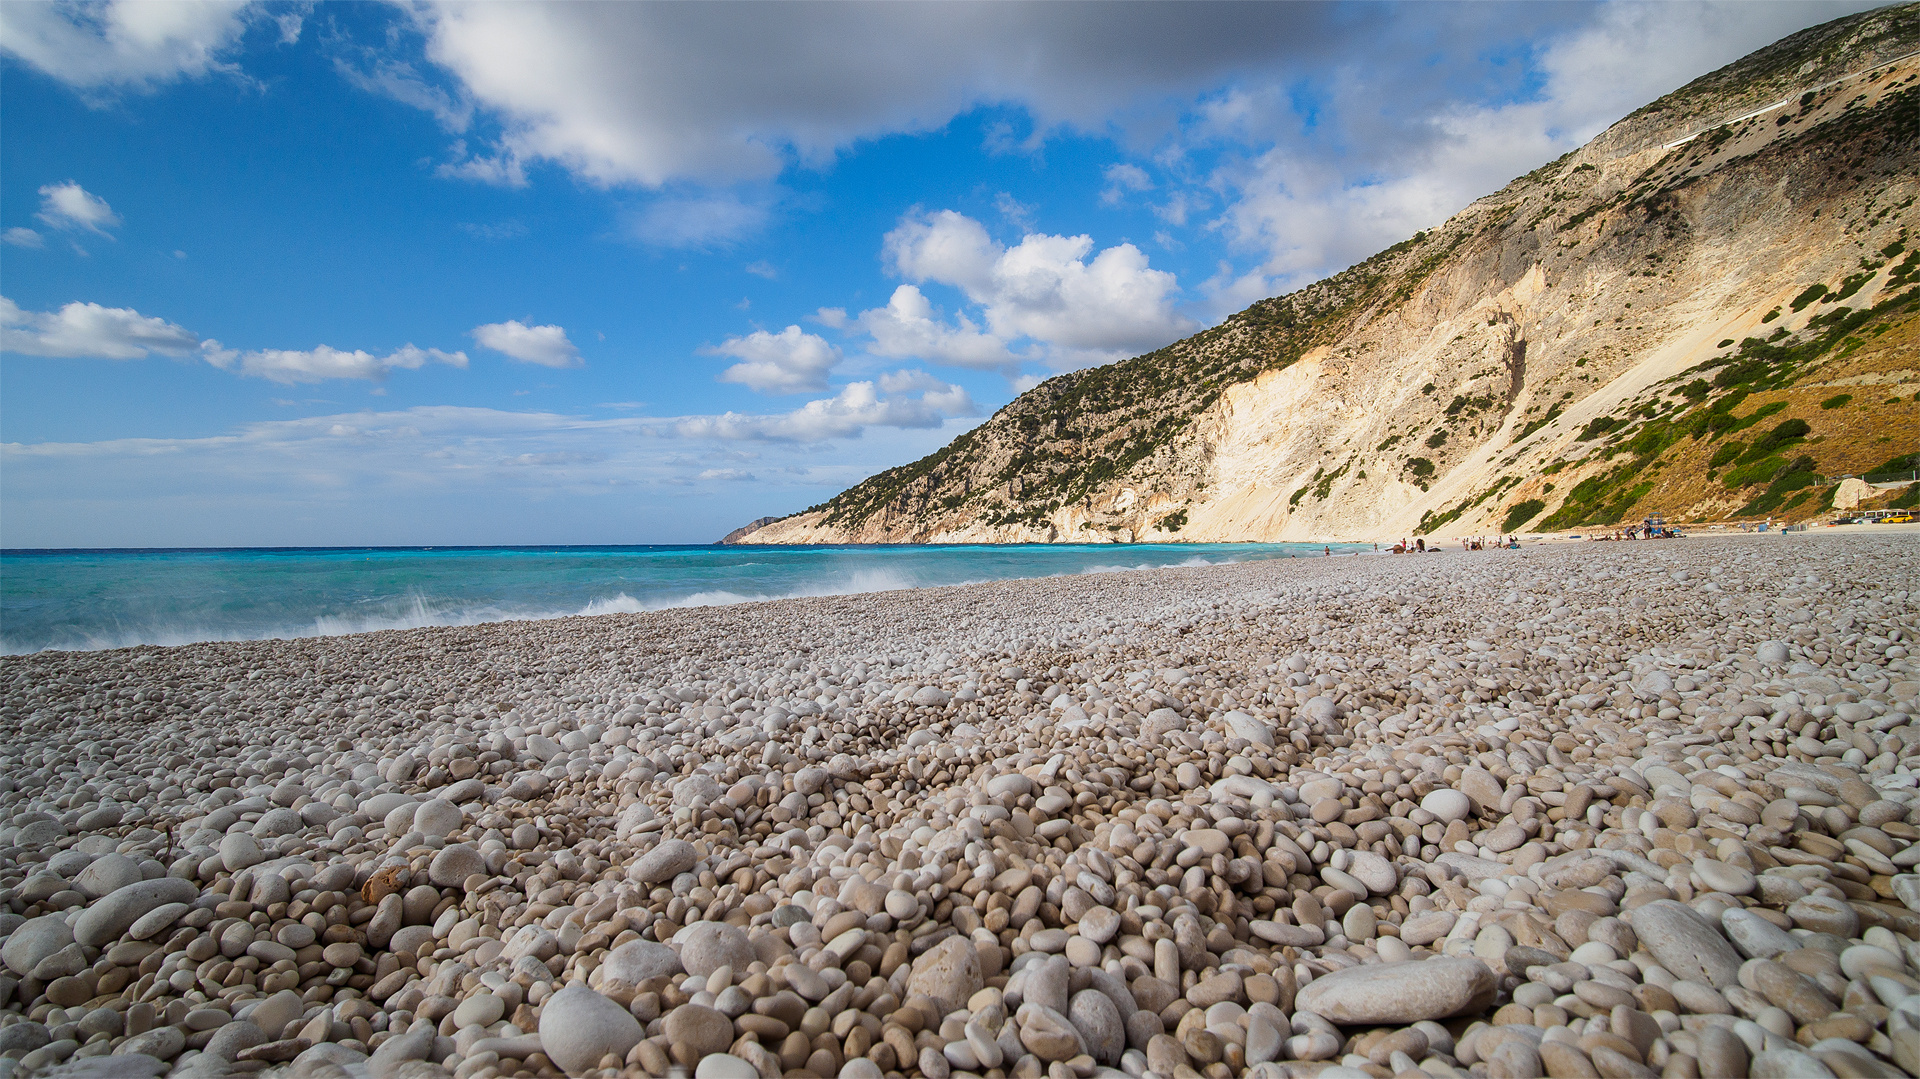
x: 1710, y: 309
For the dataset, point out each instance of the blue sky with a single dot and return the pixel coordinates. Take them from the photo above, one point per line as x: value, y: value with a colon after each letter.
x: 605, y: 273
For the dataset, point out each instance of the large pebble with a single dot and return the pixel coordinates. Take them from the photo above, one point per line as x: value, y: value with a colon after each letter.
x: 579, y: 1026
x: 667, y: 860
x: 108, y: 918
x: 949, y: 972
x: 1435, y: 988
x: 1685, y: 943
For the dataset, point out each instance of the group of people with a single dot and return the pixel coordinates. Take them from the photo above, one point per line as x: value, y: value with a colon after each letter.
x: 1647, y: 529
x: 1481, y: 543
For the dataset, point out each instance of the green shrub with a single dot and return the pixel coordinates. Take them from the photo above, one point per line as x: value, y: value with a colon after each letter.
x: 1813, y: 293
x: 1838, y: 400
x: 1521, y: 513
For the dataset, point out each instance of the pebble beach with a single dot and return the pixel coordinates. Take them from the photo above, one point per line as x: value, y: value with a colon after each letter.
x: 1626, y: 809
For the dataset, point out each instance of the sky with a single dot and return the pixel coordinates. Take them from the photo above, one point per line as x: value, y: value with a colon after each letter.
x: 291, y: 274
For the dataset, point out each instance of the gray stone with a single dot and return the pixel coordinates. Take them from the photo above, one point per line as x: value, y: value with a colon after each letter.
x: 105, y: 874
x: 228, y: 1042
x: 579, y: 1026
x: 1685, y: 943
x: 707, y: 946
x: 1098, y: 1022
x: 452, y: 866
x: 668, y: 859
x: 637, y: 960
x: 25, y: 1037
x: 34, y: 941
x: 238, y: 851
x: 1754, y: 936
x: 1434, y: 988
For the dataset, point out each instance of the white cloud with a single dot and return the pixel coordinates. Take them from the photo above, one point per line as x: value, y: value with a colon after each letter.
x: 22, y: 237
x: 765, y: 269
x: 1045, y: 288
x: 697, y: 221
x: 856, y: 407
x: 123, y: 44
x: 70, y: 206
x: 545, y: 345
x: 305, y: 366
x: 908, y: 327
x: 1122, y: 178
x: 90, y: 331
x: 791, y: 361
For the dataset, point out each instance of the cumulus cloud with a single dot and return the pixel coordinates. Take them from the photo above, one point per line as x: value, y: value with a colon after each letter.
x: 70, y: 206
x: 857, y: 406
x: 125, y: 44
x: 22, y: 237
x: 1078, y: 310
x: 545, y: 345
x: 908, y: 327
x: 305, y: 366
x: 90, y: 331
x: 791, y: 361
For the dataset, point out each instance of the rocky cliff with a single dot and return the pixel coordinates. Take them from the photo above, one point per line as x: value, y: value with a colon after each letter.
x: 1710, y: 309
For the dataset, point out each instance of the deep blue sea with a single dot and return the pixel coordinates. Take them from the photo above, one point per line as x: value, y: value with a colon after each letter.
x: 116, y: 598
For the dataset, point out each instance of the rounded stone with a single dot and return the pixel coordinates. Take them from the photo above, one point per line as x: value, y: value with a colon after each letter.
x: 1721, y: 877
x: 1436, y: 988
x: 452, y: 866
x: 707, y: 946
x: 698, y: 1029
x: 436, y: 817
x: 1685, y: 943
x: 238, y: 851
x: 579, y: 1026
x: 668, y: 859
x: 637, y: 960
x: 34, y: 941
x: 1099, y: 924
x: 479, y: 1010
x: 1825, y: 914
x: 1447, y: 805
x: 105, y: 874
x: 1099, y: 1023
x: 109, y: 918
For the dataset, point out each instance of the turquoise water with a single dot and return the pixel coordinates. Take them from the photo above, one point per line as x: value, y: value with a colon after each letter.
x: 113, y: 599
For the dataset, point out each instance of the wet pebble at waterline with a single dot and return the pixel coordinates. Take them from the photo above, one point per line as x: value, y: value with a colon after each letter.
x: 1639, y: 809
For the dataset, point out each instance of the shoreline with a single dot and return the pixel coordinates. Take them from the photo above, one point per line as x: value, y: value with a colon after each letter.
x: 1342, y: 811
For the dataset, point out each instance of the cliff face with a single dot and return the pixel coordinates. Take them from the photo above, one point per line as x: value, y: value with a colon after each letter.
x: 1664, y: 321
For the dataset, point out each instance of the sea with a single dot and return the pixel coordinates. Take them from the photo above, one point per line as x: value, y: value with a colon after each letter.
x: 93, y: 599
